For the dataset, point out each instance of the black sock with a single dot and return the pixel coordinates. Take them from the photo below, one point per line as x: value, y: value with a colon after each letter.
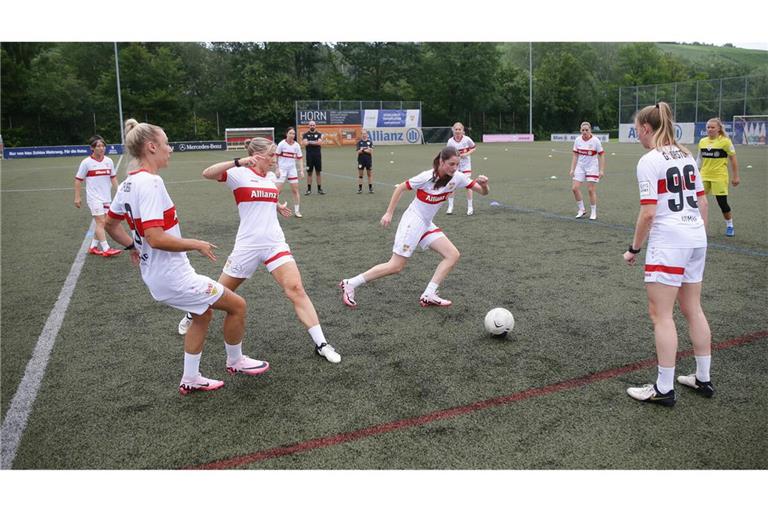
x: 359, y: 187
x: 370, y: 187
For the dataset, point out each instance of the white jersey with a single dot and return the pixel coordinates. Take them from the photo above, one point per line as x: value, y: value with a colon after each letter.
x: 587, y: 151
x: 97, y: 175
x: 670, y: 179
x: 144, y: 203
x: 464, y: 145
x: 428, y: 198
x: 287, y: 154
x: 256, y: 198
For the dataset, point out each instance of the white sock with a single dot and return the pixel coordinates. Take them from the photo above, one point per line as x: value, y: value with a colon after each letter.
x: 191, y: 365
x: 296, y: 208
x: 431, y: 289
x: 450, y: 202
x: 317, y: 335
x: 94, y: 243
x: 666, y: 379
x: 356, y: 281
x: 469, y: 203
x: 104, y: 245
x: 234, y: 352
x: 580, y: 205
x: 702, y: 367
x: 729, y: 223
x: 594, y: 208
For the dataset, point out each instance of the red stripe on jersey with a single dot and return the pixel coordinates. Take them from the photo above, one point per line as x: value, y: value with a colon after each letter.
x: 601, y: 152
x: 79, y: 179
x: 438, y: 230
x: 408, y: 185
x: 288, y: 155
x: 167, y: 222
x: 466, y: 150
x: 431, y: 198
x: 701, y: 192
x: 97, y: 160
x: 661, y: 187
x: 294, y: 178
x: 131, y: 173
x: 647, y: 201
x: 222, y: 178
x: 468, y: 171
x: 592, y: 175
x: 250, y: 194
x: 665, y: 269
x: 585, y: 152
x: 471, y: 183
x: 98, y: 172
x: 115, y: 215
x: 277, y: 256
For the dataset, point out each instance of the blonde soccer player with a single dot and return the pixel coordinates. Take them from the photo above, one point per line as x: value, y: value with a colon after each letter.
x: 587, y: 164
x: 260, y: 239
x: 289, y: 157
x: 157, y: 246
x: 416, y: 228
x: 673, y: 213
x: 465, y: 146
x: 716, y: 151
x: 99, y: 174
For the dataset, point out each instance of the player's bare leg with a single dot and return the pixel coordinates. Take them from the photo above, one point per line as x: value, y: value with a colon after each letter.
x: 576, y: 189
x: 592, y: 189
x: 451, y: 255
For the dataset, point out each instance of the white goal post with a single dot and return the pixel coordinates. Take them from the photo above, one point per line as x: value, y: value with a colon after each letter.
x: 750, y: 129
x: 236, y: 137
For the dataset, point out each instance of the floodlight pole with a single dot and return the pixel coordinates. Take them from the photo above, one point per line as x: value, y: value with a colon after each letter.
x: 530, y: 87
x: 119, y: 99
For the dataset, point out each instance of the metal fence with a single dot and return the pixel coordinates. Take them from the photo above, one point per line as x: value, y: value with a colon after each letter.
x: 699, y: 100
x: 356, y: 105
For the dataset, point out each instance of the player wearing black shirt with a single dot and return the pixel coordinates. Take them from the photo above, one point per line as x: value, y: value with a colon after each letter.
x: 312, y: 141
x: 364, y: 161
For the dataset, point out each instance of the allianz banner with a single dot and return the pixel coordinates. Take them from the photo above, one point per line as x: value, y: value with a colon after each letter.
x: 684, y: 133
x: 393, y: 136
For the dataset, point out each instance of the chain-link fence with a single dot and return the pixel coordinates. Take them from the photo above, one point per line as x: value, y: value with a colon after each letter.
x: 356, y: 105
x: 698, y: 100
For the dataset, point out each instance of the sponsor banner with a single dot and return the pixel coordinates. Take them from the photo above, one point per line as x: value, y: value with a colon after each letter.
x: 684, y: 133
x: 392, y: 118
x: 570, y: 137
x: 750, y: 132
x: 58, y: 151
x: 335, y: 135
x: 701, y: 130
x: 392, y: 136
x: 199, y: 145
x: 329, y: 117
x: 508, y: 137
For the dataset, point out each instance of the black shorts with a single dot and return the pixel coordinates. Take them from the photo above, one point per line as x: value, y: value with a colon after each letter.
x: 364, y: 163
x: 314, y: 163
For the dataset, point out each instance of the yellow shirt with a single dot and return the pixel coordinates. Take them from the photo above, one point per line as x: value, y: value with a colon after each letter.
x: 714, y: 158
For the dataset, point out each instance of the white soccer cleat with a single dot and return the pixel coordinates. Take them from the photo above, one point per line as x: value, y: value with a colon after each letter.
x: 580, y: 213
x: 248, y: 366
x: 433, y: 300
x: 328, y: 352
x: 593, y: 216
x: 649, y: 393
x: 449, y: 211
x: 199, y: 383
x: 184, y: 325
x: 347, y: 294
x: 470, y: 211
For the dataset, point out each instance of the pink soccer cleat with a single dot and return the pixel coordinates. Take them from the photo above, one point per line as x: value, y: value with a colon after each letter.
x: 199, y: 383
x: 347, y: 294
x: 111, y: 252
x: 95, y: 251
x: 433, y: 300
x: 248, y: 366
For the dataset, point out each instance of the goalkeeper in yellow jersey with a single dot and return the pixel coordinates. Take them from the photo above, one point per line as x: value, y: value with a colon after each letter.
x: 715, y: 151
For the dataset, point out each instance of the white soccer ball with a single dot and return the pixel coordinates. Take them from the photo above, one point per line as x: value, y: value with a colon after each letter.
x: 499, y: 322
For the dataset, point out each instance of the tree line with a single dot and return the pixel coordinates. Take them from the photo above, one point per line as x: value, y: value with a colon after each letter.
x: 61, y: 93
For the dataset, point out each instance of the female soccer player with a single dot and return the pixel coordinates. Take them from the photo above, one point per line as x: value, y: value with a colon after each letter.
x: 715, y: 151
x: 99, y: 174
x: 416, y: 227
x: 588, y: 163
x: 288, y: 155
x: 158, y: 247
x: 364, y: 161
x: 260, y: 239
x: 673, y: 213
x: 465, y: 147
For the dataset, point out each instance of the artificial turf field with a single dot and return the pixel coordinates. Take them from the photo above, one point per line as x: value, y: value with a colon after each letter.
x: 416, y: 388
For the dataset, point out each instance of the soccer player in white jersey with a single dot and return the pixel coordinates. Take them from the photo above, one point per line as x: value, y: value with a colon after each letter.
x: 673, y: 215
x: 99, y: 174
x: 288, y: 157
x: 465, y: 147
x: 260, y: 239
x: 417, y: 229
x: 588, y: 163
x: 157, y: 246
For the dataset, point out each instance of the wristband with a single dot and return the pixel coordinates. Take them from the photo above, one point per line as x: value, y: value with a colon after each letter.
x: 130, y: 247
x: 237, y: 162
x: 633, y: 250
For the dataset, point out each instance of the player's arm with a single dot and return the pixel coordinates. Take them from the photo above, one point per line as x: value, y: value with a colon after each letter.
x: 216, y: 171
x: 386, y: 219
x: 574, y: 159
x: 157, y: 238
x: 642, y: 228
x: 78, y: 200
x: 601, y: 163
x: 115, y: 229
x: 470, y: 151
x: 480, y: 185
x: 735, y: 180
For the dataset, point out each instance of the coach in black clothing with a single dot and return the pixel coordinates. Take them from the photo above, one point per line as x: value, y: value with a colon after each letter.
x: 312, y: 141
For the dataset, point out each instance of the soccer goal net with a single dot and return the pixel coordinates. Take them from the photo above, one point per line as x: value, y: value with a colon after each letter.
x: 236, y: 137
x: 750, y: 129
x: 436, y: 134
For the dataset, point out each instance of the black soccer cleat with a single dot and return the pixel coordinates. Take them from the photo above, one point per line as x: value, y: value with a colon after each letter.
x: 705, y: 389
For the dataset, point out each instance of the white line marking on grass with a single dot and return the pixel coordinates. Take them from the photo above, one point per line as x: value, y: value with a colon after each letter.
x: 21, y: 405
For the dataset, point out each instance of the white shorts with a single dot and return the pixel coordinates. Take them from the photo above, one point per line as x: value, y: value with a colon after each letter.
x: 197, y: 295
x: 97, y: 206
x: 291, y: 175
x: 580, y: 174
x: 413, y: 231
x: 242, y: 263
x: 674, y: 267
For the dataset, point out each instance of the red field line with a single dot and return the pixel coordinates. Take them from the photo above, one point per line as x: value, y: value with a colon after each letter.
x: 323, y: 442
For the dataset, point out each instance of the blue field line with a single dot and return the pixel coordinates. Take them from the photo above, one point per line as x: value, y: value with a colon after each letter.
x: 556, y: 216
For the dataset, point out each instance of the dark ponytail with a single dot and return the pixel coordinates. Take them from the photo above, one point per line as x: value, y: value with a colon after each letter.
x: 446, y: 153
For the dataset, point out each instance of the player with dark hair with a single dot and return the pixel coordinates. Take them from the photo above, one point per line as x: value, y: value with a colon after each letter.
x: 312, y: 140
x: 364, y: 161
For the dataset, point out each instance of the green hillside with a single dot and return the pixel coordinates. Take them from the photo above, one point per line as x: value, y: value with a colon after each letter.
x: 704, y: 54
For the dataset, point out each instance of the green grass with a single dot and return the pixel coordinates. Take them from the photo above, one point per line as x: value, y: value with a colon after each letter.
x: 109, y: 399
